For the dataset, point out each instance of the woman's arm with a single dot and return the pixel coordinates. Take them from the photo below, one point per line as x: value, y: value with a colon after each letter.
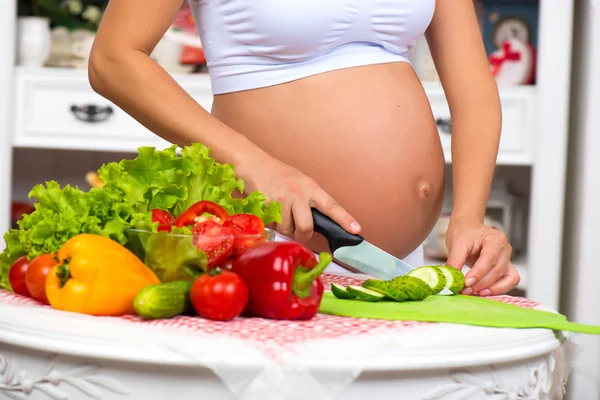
x: 457, y: 48
x: 121, y: 70
x: 460, y: 59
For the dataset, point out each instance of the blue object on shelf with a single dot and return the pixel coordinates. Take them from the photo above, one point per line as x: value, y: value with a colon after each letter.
x: 504, y: 17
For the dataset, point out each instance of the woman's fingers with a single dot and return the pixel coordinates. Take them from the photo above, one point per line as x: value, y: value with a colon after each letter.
x: 297, y: 196
x: 492, y: 246
x: 510, y: 280
x: 303, y: 221
x: 328, y: 206
x: 286, y: 227
x: 495, y: 274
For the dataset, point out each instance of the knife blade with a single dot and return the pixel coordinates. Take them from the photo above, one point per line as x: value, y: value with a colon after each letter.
x: 358, y: 253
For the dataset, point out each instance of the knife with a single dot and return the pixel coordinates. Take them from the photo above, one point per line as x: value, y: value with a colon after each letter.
x: 355, y: 251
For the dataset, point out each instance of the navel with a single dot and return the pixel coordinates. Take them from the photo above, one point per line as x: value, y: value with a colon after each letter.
x: 424, y: 189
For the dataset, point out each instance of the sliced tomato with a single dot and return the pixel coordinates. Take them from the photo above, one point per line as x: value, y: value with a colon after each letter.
x: 250, y: 229
x: 246, y: 223
x: 215, y: 240
x: 164, y: 218
x: 16, y: 276
x: 195, y: 213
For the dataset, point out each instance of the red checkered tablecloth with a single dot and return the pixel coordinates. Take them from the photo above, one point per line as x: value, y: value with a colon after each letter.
x: 276, y: 332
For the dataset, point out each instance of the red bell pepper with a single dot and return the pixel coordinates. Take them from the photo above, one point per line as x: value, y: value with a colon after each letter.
x: 194, y: 213
x: 283, y: 280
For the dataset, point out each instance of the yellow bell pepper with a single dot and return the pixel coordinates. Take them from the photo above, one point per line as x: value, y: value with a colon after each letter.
x: 96, y: 276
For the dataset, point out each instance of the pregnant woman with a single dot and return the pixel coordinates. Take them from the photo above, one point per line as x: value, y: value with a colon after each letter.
x: 316, y: 105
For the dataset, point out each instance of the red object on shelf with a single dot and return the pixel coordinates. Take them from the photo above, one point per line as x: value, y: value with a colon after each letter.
x: 185, y: 21
x: 18, y: 209
x: 513, y: 63
x: 192, y: 55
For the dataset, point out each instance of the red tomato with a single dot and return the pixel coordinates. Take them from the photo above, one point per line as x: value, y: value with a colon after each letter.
x: 37, y: 274
x: 164, y: 218
x: 248, y: 225
x: 219, y: 295
x: 215, y: 240
x: 16, y: 276
x: 194, y: 213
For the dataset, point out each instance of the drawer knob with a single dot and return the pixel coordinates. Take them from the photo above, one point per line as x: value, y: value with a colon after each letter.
x: 91, y: 113
x: 445, y: 125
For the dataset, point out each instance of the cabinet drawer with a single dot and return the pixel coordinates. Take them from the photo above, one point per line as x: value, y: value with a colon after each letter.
x: 518, y: 116
x: 59, y: 109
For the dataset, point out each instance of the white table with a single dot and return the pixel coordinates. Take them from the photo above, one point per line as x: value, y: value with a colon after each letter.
x: 48, y: 354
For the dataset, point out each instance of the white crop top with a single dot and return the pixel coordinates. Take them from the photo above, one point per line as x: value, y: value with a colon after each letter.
x: 256, y: 43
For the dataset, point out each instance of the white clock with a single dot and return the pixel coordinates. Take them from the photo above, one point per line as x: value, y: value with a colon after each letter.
x: 511, y: 28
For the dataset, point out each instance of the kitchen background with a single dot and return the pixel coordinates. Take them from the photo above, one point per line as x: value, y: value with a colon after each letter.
x: 542, y: 53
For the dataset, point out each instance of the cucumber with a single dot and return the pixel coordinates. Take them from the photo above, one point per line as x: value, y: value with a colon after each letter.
x: 364, y: 294
x: 455, y: 279
x: 163, y: 300
x: 414, y: 288
x: 386, y: 288
x: 432, y: 276
x: 340, y: 292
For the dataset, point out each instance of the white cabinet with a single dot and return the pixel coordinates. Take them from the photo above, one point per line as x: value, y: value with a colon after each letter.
x: 57, y: 108
x: 518, y: 122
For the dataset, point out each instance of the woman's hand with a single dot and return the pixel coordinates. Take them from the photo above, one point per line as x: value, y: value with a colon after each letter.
x: 487, y: 252
x: 297, y: 194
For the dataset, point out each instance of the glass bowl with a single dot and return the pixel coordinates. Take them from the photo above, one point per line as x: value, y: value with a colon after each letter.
x: 175, y: 257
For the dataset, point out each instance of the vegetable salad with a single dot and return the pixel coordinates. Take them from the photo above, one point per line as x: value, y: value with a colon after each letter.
x: 155, y: 179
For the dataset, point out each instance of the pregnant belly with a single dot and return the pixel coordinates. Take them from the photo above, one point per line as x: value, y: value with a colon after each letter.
x: 365, y: 134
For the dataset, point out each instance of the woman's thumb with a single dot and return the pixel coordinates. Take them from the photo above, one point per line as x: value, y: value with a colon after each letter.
x: 457, y: 256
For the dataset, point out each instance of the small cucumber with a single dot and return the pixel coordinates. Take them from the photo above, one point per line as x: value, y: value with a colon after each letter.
x: 455, y: 279
x: 386, y: 288
x: 340, y: 292
x: 364, y: 294
x: 432, y: 276
x: 415, y: 288
x: 163, y: 300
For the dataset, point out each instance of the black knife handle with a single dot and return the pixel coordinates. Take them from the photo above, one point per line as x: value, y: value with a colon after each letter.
x: 335, y: 234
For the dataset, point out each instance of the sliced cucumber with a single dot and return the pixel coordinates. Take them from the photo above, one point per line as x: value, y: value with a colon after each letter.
x: 455, y: 279
x: 340, y: 292
x: 386, y: 288
x: 432, y: 276
x: 364, y: 294
x: 415, y: 288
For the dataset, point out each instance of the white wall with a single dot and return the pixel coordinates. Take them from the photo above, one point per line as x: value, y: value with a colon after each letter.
x: 7, y: 50
x: 581, y: 264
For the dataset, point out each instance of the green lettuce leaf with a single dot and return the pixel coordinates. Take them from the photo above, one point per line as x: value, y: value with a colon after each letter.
x: 171, y: 182
x: 13, y: 250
